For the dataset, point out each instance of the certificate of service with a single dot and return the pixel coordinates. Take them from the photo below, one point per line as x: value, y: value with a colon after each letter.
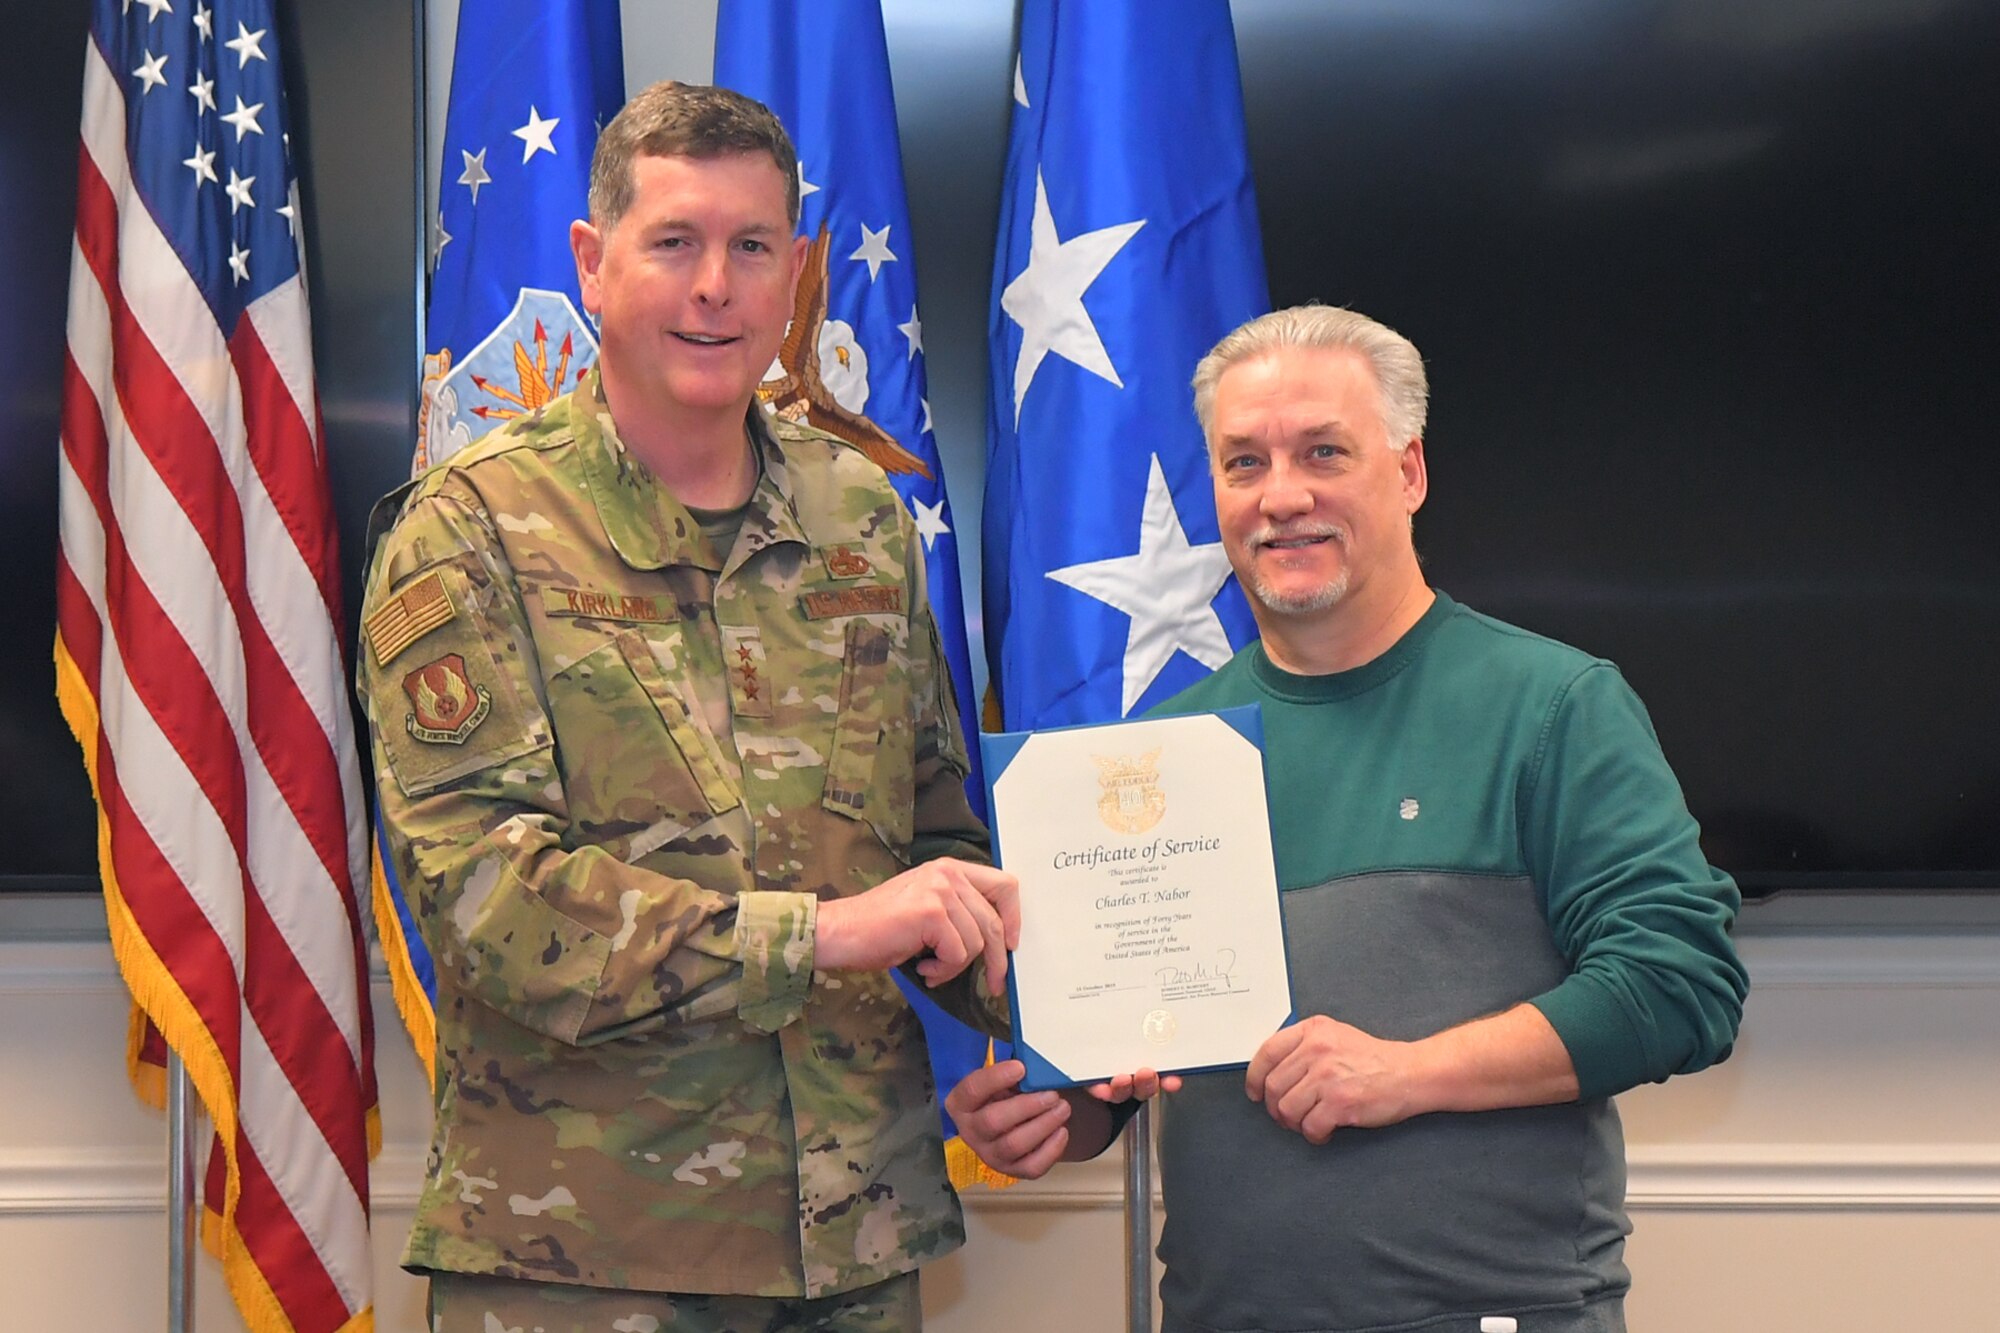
x: 1150, y: 930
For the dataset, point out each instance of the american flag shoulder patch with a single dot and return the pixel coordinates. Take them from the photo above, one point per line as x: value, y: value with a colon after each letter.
x: 408, y: 616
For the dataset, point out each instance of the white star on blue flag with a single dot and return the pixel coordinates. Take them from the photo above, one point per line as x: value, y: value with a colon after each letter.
x: 825, y: 70
x: 1128, y: 245
x: 543, y: 74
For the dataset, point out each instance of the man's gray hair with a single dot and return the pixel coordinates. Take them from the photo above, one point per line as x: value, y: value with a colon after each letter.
x: 1399, y: 369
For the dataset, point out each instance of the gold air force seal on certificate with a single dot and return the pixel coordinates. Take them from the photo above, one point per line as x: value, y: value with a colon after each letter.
x: 1133, y: 800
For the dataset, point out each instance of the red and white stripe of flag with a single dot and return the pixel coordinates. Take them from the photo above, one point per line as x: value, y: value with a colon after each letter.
x: 199, y: 664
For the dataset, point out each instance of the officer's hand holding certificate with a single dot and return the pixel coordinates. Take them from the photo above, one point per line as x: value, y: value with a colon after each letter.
x: 1150, y: 930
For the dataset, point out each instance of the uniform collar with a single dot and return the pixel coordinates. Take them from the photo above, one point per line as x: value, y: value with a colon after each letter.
x: 647, y: 525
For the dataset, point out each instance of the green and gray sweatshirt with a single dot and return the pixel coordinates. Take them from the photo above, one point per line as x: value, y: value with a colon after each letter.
x: 1479, y: 817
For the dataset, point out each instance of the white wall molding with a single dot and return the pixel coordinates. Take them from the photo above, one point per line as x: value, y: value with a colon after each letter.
x: 126, y: 1173
x: 1757, y: 1178
x: 111, y: 1181
x: 1725, y: 1177
x: 134, y: 1180
x: 69, y: 965
x: 57, y: 967
x: 1777, y: 959
x: 1967, y: 959
x: 1818, y: 1178
x: 1081, y: 1187
x: 1753, y: 1178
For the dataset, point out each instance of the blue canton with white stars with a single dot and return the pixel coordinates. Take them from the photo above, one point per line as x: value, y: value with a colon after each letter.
x: 204, y: 118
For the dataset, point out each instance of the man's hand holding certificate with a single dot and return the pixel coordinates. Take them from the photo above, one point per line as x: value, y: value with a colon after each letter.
x: 1150, y: 930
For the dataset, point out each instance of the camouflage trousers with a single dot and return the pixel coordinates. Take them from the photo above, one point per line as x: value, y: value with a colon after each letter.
x: 473, y: 1303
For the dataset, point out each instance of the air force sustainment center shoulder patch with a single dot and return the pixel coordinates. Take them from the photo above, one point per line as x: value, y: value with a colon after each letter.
x: 447, y: 704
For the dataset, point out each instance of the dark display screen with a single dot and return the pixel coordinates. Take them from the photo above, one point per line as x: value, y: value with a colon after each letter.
x: 1711, y: 305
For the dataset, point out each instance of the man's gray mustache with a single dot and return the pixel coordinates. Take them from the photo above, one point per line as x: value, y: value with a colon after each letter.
x: 1265, y: 536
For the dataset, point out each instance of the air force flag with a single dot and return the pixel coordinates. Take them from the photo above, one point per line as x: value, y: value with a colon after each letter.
x: 532, y: 82
x: 853, y: 360
x: 1128, y: 245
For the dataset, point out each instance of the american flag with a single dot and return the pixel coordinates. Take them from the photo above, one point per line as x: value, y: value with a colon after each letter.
x: 198, y: 658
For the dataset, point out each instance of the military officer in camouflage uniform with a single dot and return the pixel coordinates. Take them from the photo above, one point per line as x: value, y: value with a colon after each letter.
x: 668, y: 757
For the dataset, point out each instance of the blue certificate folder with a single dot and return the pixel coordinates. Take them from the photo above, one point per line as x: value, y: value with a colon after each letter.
x: 1127, y: 829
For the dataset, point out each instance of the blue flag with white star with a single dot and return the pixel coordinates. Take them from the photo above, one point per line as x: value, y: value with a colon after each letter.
x: 532, y: 81
x: 824, y: 69
x: 1128, y: 245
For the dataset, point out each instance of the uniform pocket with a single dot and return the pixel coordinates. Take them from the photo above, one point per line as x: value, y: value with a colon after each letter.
x: 638, y: 769
x: 444, y: 705
x: 871, y: 770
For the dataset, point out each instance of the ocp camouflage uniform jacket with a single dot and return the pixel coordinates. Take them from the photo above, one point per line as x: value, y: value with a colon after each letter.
x: 641, y: 1080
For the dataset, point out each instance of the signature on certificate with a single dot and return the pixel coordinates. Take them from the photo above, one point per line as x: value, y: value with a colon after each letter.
x: 1205, y: 975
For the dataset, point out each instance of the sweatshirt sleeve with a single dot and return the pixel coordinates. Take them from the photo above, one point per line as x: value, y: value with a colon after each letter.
x: 1655, y: 985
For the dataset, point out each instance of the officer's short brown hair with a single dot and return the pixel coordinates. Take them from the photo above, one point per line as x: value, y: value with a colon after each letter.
x: 684, y: 120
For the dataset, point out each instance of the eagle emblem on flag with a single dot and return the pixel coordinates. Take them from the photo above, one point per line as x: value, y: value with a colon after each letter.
x: 821, y: 375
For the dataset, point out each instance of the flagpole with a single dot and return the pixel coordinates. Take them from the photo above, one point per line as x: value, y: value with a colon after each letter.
x: 420, y: 162
x: 180, y: 1197
x: 1139, y: 1221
